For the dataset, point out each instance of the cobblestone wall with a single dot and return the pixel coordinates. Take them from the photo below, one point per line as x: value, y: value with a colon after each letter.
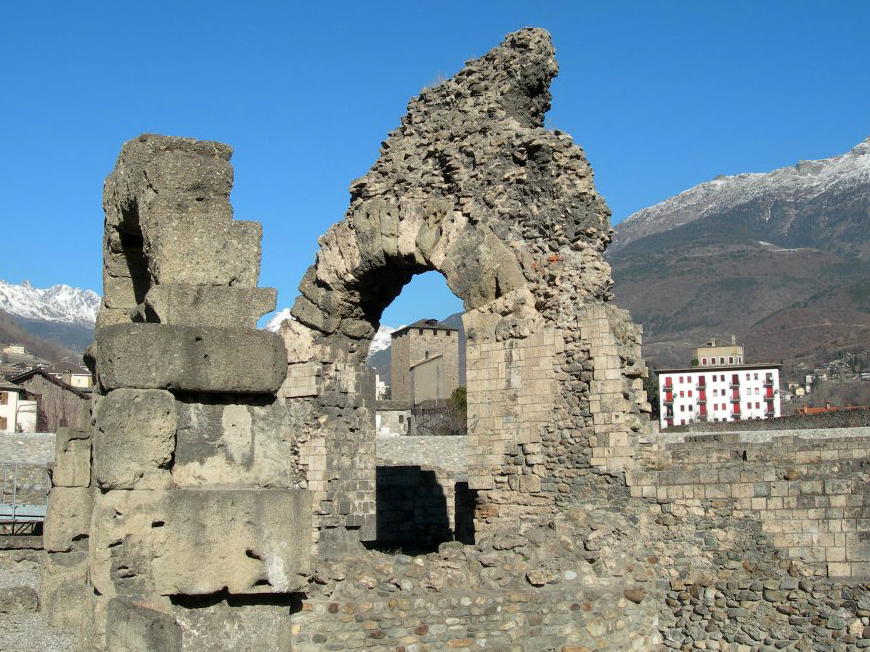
x: 520, y: 621
x: 27, y: 447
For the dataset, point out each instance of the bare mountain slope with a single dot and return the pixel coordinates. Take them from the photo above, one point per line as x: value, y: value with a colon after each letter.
x: 775, y: 258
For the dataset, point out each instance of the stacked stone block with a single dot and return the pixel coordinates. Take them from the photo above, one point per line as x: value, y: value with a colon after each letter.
x: 63, y: 592
x: 810, y: 496
x: 186, y: 485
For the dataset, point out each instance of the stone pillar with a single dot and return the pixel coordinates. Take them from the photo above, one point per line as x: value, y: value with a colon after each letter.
x: 66, y: 531
x: 194, y: 486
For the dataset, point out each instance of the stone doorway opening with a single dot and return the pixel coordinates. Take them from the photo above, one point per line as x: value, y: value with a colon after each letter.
x: 421, y: 476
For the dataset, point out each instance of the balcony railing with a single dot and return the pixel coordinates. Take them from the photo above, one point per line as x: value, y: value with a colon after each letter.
x: 768, y: 382
x: 669, y: 401
x: 734, y: 399
x: 734, y: 385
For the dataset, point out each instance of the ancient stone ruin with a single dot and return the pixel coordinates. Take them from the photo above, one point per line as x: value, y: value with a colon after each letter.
x: 224, y: 497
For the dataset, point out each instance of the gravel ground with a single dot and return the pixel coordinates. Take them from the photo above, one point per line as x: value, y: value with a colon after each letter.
x: 28, y: 632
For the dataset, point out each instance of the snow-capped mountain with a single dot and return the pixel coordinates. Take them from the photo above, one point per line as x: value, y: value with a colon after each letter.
x: 802, y: 183
x: 380, y: 342
x: 382, y: 339
x: 59, y: 303
x: 279, y: 318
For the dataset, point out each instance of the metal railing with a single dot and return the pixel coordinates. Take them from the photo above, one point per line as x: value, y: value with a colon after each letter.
x: 15, y: 517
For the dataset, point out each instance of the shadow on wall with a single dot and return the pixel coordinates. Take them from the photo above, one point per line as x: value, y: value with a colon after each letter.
x: 416, y: 513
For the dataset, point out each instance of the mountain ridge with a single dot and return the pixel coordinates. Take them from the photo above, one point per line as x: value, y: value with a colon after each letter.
x: 58, y: 303
x: 804, y: 180
x: 771, y: 257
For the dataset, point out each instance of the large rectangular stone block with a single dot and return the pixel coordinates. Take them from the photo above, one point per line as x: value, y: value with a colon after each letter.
x: 247, y: 443
x: 72, y: 458
x: 135, y: 439
x: 63, y: 588
x: 210, y: 305
x: 68, y: 518
x: 203, y: 249
x: 127, y: 534
x: 188, y: 358
x: 131, y: 627
x: 245, y: 541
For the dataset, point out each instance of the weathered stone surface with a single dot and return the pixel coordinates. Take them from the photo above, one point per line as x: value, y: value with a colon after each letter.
x: 244, y: 541
x: 199, y: 541
x: 63, y: 590
x: 187, y: 358
x: 232, y: 442
x: 167, y: 209
x: 127, y: 535
x: 135, y: 439
x: 72, y: 458
x: 197, y: 251
x: 18, y: 599
x: 207, y: 305
x: 134, y: 628
x: 68, y: 518
x: 232, y: 624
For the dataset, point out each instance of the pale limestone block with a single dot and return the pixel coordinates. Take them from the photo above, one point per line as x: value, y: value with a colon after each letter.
x: 135, y: 439
x: 67, y: 518
x: 72, y: 458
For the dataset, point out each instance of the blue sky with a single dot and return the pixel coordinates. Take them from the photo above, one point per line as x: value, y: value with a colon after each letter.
x: 662, y: 95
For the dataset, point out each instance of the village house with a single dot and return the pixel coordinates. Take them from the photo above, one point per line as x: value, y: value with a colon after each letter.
x: 17, y: 409
x: 57, y: 403
x: 72, y: 374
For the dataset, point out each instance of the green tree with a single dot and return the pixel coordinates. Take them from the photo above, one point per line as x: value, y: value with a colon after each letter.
x: 456, y: 422
x: 651, y: 387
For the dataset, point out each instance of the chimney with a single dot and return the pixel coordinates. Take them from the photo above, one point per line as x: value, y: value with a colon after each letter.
x: 733, y: 339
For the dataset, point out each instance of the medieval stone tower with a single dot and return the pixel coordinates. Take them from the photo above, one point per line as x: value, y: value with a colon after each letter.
x: 425, y: 362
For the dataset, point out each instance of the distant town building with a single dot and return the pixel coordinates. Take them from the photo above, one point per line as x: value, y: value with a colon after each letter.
x: 17, y: 409
x: 15, y: 349
x: 380, y: 388
x: 804, y: 410
x: 72, y: 374
x: 392, y: 417
x: 714, y: 354
x: 719, y: 391
x: 57, y: 403
x: 425, y: 362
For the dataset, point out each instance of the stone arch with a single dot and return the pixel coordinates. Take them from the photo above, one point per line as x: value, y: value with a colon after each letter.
x: 473, y: 186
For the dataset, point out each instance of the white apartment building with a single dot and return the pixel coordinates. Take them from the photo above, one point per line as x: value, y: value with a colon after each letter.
x: 17, y: 413
x: 735, y: 392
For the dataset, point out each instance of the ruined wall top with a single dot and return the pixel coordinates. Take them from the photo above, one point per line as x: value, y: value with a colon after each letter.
x: 472, y: 185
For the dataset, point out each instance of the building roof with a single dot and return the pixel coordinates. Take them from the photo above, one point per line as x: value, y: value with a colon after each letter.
x: 432, y: 324
x: 63, y: 367
x: 725, y: 367
x: 27, y: 375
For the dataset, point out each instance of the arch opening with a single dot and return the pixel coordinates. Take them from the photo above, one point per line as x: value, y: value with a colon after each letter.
x: 421, y: 478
